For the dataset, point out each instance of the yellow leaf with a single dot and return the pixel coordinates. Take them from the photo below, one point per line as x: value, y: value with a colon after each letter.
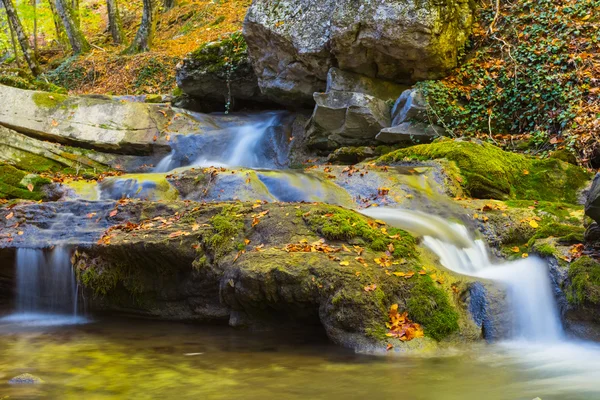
x: 516, y: 249
x: 344, y: 263
x: 524, y: 255
x: 533, y: 224
x: 525, y: 172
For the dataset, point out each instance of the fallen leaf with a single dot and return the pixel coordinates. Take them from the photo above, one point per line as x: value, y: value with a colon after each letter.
x: 10, y: 215
x: 30, y: 187
x: 344, y: 263
x: 533, y: 224
x: 113, y: 213
x: 516, y: 249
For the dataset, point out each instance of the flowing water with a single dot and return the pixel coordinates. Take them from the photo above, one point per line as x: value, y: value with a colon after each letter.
x: 530, y: 294
x: 252, y: 141
x: 46, y: 290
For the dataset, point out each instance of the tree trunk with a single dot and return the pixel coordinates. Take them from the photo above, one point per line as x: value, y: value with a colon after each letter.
x: 143, y: 37
x: 35, y: 28
x: 114, y: 21
x: 13, y: 40
x: 78, y: 42
x: 15, y: 22
x: 168, y: 4
x: 74, y: 7
x: 61, y: 36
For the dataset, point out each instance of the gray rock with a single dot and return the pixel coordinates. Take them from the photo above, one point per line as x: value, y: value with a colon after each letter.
x: 345, y: 81
x: 96, y: 122
x: 25, y: 379
x: 205, y: 75
x: 351, y: 155
x: 592, y: 204
x: 410, y: 133
x: 346, y: 118
x: 402, y: 41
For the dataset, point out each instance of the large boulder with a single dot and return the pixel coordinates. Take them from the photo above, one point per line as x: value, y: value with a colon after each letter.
x: 409, y: 133
x: 97, y: 122
x: 294, y: 43
x: 219, y: 74
x: 346, y: 118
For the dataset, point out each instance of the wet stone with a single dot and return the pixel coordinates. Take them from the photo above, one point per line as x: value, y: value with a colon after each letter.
x: 25, y: 379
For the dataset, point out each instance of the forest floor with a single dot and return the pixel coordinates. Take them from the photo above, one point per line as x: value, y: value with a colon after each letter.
x: 104, y: 70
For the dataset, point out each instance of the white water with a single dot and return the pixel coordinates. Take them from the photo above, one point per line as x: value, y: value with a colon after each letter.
x: 527, y: 282
x: 46, y: 290
x: 246, y: 144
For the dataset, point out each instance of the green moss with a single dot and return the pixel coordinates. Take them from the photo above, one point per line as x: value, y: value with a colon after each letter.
x: 545, y: 249
x: 565, y: 233
x: 13, y: 184
x: 222, y: 57
x: 585, y: 282
x: 48, y: 100
x: 430, y: 306
x: 226, y: 227
x: 486, y: 171
x: 336, y: 223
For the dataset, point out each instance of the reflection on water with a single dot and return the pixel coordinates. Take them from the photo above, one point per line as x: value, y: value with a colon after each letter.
x: 147, y: 360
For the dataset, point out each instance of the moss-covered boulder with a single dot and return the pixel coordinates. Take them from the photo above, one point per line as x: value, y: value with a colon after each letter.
x: 486, y: 171
x: 260, y: 264
x: 219, y: 74
x: 18, y: 184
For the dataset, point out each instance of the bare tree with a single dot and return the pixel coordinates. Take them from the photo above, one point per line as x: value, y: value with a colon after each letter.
x: 61, y: 36
x: 15, y: 22
x: 11, y: 32
x: 143, y: 37
x: 78, y: 42
x: 114, y: 21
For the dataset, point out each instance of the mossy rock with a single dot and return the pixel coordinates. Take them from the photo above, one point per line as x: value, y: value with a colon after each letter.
x: 486, y: 171
x: 14, y: 184
x: 217, y: 261
x: 584, y: 289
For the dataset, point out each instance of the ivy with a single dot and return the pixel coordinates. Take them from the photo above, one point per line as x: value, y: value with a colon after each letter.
x: 531, y: 74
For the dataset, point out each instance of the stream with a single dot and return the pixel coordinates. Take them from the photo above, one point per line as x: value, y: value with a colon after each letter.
x: 109, y: 359
x: 94, y: 357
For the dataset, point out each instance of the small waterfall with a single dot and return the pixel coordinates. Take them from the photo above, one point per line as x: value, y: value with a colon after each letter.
x: 46, y: 289
x: 250, y: 141
x: 527, y: 281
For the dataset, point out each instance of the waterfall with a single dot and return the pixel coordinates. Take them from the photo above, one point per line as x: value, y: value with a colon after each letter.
x: 527, y: 282
x: 250, y: 141
x: 46, y: 289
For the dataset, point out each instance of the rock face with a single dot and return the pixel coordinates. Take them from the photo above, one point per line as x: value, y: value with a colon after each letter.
x: 409, y: 133
x: 401, y: 41
x: 219, y: 73
x: 592, y: 204
x: 343, y: 81
x: 96, y: 122
x: 258, y: 266
x: 346, y: 118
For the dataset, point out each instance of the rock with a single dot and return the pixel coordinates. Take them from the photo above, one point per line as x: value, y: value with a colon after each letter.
x: 592, y: 203
x: 410, y: 133
x: 18, y: 184
x: 218, y: 73
x: 198, y: 266
x: 25, y: 379
x: 411, y: 105
x: 95, y: 122
x: 38, y: 156
x: 350, y: 155
x: 346, y: 118
x: 592, y: 235
x: 343, y: 81
x: 400, y: 41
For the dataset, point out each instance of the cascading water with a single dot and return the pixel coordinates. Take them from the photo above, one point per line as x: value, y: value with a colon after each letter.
x: 535, y: 314
x: 46, y: 290
x: 249, y: 142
